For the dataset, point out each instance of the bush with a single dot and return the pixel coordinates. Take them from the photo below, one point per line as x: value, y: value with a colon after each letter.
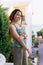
x: 5, y: 44
x: 33, y: 38
x: 36, y: 43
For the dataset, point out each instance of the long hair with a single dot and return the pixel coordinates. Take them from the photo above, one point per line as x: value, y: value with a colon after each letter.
x: 13, y: 14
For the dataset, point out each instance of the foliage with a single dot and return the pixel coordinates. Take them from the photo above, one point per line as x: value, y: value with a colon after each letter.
x: 29, y: 62
x: 5, y: 44
x: 36, y: 43
x: 40, y: 33
x: 33, y: 36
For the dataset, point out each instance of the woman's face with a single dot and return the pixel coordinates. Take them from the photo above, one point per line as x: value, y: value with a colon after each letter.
x: 17, y: 16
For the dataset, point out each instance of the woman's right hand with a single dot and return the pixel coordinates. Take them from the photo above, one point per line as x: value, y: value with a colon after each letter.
x: 29, y: 52
x: 22, y: 37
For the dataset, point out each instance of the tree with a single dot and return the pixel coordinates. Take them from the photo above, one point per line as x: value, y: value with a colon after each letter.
x: 33, y: 36
x: 5, y: 44
x: 40, y: 33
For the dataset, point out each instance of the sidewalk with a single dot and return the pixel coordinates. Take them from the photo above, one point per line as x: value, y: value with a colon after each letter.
x: 40, y: 54
x: 9, y: 64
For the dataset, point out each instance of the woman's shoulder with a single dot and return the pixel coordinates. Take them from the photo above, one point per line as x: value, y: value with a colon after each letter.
x: 12, y: 26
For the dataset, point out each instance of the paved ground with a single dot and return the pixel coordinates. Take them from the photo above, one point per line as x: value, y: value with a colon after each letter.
x: 41, y: 54
x: 9, y: 64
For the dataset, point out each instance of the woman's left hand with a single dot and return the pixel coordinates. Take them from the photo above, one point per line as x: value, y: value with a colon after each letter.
x: 25, y: 36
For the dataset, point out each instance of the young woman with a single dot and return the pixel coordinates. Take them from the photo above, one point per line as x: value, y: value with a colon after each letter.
x: 19, y: 36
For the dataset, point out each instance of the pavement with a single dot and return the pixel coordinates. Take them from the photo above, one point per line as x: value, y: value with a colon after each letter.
x: 40, y: 62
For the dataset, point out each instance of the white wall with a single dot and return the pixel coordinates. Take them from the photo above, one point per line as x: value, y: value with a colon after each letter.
x: 37, y: 18
x: 28, y: 16
x: 9, y: 3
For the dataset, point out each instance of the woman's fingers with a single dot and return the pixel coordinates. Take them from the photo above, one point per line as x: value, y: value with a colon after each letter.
x: 30, y: 53
x: 22, y: 37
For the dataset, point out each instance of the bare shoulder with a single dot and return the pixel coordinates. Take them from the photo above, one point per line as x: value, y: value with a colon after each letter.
x: 12, y: 26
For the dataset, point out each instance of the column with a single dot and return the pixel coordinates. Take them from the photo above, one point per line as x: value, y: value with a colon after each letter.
x: 28, y: 17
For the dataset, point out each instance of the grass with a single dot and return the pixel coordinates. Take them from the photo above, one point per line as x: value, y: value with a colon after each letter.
x: 29, y: 62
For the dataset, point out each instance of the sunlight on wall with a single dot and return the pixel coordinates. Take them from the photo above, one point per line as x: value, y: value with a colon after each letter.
x: 21, y: 7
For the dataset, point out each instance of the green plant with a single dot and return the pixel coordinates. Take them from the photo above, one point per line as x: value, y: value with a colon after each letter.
x: 36, y: 43
x: 40, y: 33
x: 33, y: 36
x: 5, y: 44
x: 29, y: 62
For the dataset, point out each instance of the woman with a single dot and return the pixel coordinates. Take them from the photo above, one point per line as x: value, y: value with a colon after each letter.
x: 19, y: 36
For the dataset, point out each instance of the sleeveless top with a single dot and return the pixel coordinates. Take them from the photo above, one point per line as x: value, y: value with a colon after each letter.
x: 20, y: 32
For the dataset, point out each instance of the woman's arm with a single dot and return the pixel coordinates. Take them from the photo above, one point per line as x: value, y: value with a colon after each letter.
x: 18, y: 37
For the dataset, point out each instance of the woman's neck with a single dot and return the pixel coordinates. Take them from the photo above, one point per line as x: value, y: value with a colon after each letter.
x: 16, y: 23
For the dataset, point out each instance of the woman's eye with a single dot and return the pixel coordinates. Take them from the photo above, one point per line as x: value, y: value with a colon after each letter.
x: 17, y: 14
